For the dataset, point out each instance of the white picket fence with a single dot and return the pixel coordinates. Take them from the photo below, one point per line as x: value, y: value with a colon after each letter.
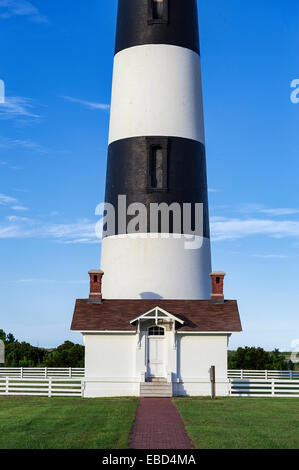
x: 42, y: 372
x: 62, y: 372
x: 69, y: 382
x: 50, y: 387
x: 264, y: 388
x: 261, y: 374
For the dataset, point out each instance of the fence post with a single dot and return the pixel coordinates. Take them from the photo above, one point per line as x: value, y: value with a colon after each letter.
x: 242, y: 374
x: 273, y: 388
x: 70, y: 372
x: 6, y: 384
x: 266, y: 374
x: 213, y: 382
x: 46, y: 372
x: 21, y: 372
x: 50, y: 387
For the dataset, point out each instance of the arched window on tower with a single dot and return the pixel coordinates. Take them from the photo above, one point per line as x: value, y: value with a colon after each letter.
x: 158, y: 7
x: 158, y: 11
x: 157, y: 168
x: 157, y: 163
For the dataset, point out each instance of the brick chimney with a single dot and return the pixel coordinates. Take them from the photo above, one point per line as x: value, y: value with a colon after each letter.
x: 217, y: 287
x: 95, y: 293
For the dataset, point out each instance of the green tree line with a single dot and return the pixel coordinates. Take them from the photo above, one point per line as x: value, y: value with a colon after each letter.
x: 22, y: 354
x: 258, y: 359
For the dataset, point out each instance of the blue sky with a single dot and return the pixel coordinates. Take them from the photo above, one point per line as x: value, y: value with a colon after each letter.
x: 56, y: 62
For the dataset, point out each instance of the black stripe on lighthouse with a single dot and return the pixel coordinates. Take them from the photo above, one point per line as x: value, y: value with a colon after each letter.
x: 137, y: 24
x: 181, y: 177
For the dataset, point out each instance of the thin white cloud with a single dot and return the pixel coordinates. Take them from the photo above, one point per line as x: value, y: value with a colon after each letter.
x: 15, y: 218
x: 247, y: 208
x: 271, y: 256
x: 34, y: 281
x: 7, y: 143
x: 16, y: 106
x: 213, y: 190
x: 232, y: 228
x: 7, y: 200
x: 279, y: 212
x: 19, y: 208
x: 49, y: 281
x: 260, y: 209
x: 12, y: 203
x: 17, y: 227
x: 5, y: 164
x: 85, y: 241
x: 21, y: 8
x: 88, y: 104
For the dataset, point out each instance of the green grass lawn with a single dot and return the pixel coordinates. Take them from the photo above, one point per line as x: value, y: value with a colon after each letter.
x: 241, y: 423
x: 66, y: 423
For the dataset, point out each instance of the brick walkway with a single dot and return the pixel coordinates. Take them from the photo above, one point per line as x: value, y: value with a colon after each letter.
x: 158, y: 425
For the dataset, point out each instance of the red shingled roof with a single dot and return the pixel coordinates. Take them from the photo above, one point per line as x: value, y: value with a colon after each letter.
x: 115, y: 315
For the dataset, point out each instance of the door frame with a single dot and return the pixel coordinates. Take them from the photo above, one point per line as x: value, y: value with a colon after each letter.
x: 157, y: 338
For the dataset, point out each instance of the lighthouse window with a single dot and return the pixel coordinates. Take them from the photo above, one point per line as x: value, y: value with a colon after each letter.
x: 157, y: 164
x: 158, y: 11
x: 157, y: 168
x: 158, y: 7
x: 95, y: 278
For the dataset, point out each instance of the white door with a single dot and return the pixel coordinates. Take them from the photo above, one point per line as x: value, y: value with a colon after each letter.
x: 156, y: 366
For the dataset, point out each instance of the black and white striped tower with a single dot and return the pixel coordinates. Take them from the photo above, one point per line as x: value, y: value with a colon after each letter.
x: 156, y: 150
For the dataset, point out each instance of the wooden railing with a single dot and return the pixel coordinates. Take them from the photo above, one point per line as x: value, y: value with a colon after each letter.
x: 42, y: 372
x: 50, y: 387
x: 264, y: 388
x: 261, y: 374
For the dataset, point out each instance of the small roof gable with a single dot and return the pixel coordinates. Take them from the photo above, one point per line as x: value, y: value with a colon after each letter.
x: 156, y: 314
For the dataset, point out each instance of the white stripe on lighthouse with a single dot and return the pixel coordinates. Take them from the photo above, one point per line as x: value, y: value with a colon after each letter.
x: 157, y: 91
x: 137, y: 268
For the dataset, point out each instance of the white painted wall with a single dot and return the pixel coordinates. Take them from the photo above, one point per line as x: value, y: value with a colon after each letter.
x: 110, y: 355
x: 196, y: 355
x: 110, y: 364
x: 155, y: 268
x: 157, y: 90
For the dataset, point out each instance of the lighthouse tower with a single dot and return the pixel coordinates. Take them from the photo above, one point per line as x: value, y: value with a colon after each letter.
x: 156, y: 319
x: 156, y: 153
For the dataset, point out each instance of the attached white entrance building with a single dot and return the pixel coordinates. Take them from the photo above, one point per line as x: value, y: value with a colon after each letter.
x: 131, y: 342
